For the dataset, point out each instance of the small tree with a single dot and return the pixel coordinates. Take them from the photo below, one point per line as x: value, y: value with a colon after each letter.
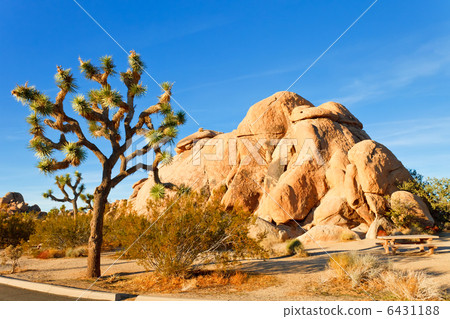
x: 87, y: 199
x: 12, y: 253
x: 109, y: 115
x: 76, y: 188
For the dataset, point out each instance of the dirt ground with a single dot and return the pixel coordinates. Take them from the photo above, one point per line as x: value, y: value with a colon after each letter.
x: 289, y: 275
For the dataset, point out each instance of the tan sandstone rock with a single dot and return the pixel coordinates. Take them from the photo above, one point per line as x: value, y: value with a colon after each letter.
x: 410, y: 203
x: 289, y: 160
x: 378, y: 169
x: 323, y: 233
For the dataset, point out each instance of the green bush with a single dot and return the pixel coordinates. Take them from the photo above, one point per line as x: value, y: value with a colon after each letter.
x: 76, y: 252
x: 58, y: 230
x: 123, y: 229
x: 295, y: 247
x: 191, y: 229
x: 15, y: 228
x: 403, y: 216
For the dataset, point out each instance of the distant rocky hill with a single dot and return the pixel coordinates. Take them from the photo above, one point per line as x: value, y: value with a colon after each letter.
x: 291, y: 161
x: 14, y: 202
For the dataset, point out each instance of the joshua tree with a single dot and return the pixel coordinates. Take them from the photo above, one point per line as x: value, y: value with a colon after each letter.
x: 87, y: 198
x: 76, y: 188
x: 106, y: 111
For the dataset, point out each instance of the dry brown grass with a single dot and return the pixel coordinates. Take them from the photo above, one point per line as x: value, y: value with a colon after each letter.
x: 201, y: 281
x: 363, y: 275
x: 412, y: 285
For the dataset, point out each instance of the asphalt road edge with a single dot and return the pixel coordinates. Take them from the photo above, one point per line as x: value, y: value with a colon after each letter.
x: 63, y: 291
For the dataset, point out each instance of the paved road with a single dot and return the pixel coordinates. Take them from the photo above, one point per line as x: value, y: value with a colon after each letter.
x: 18, y: 294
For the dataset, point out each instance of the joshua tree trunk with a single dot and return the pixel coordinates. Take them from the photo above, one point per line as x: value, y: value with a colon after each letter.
x: 75, y: 208
x: 96, y: 239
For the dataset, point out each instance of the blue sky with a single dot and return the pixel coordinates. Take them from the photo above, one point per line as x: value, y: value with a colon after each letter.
x: 392, y: 69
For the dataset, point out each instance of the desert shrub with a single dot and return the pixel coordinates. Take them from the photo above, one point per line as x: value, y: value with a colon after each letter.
x: 348, y: 236
x: 295, y: 247
x: 58, y: 230
x: 435, y: 192
x: 15, y: 228
x: 13, y: 254
x: 192, y: 228
x: 76, y: 252
x: 355, y: 267
x: 411, y: 285
x: 123, y: 229
x: 378, y: 278
x: 403, y: 215
x: 51, y: 253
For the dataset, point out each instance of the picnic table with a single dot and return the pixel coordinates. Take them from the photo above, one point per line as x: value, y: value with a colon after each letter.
x: 396, y: 241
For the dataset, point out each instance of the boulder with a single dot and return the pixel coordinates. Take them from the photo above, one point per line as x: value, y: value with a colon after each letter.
x: 288, y: 161
x: 189, y: 141
x: 379, y: 171
x: 326, y: 233
x: 12, y: 197
x: 297, y: 192
x: 412, y: 204
x: 14, y: 202
x: 333, y: 111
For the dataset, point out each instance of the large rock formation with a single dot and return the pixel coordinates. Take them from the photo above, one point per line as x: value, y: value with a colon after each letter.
x: 14, y: 202
x: 289, y: 161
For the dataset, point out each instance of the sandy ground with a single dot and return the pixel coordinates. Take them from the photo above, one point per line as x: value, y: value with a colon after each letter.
x: 290, y: 274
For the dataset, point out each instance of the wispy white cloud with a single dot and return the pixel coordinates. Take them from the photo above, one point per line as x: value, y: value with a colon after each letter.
x: 427, y: 60
x: 415, y: 132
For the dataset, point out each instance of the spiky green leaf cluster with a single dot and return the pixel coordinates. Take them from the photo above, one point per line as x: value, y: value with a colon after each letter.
x: 170, y: 132
x: 89, y: 69
x: 42, y: 105
x: 108, y: 65
x: 86, y: 197
x: 126, y: 77
x: 65, y: 80
x: 94, y: 96
x: 180, y: 117
x: 169, y: 120
x: 36, y: 124
x: 42, y: 149
x: 95, y: 129
x: 46, y: 165
x: 166, y: 86
x: 109, y: 98
x: 63, y: 179
x: 155, y: 137
x: 165, y: 108
x: 47, y: 194
x: 81, y: 106
x: 138, y: 90
x: 158, y: 191
x: 74, y: 153
x: 136, y: 63
x: 25, y: 93
x: 166, y: 158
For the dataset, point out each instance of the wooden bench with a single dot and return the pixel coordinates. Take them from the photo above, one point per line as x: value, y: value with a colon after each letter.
x: 420, y: 241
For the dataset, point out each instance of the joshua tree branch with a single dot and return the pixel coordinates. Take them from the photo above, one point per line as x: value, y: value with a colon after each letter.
x: 122, y: 174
